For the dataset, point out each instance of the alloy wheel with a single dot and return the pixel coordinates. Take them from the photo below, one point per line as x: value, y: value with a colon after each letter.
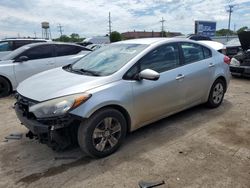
x: 218, y: 93
x: 106, y: 134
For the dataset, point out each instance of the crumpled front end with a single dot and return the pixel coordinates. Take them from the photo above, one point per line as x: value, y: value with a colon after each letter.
x: 57, y: 132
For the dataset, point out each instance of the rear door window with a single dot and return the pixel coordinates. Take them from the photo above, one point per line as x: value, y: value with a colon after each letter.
x: 192, y: 52
x: 65, y: 49
x: 39, y: 52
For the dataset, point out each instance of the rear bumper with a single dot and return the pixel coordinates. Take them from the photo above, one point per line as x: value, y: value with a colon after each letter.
x: 240, y: 71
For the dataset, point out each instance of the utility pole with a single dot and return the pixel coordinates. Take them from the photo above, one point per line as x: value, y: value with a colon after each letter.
x: 162, y: 26
x: 35, y: 34
x: 110, y: 23
x: 60, y: 29
x: 230, y: 11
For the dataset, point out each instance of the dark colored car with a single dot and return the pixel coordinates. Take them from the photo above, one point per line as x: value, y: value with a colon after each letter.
x: 194, y: 37
x: 240, y: 63
x: 198, y: 37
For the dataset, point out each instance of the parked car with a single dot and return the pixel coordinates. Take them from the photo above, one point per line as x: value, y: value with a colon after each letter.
x: 120, y: 88
x: 8, y: 45
x: 95, y: 46
x: 240, y: 63
x: 34, y: 58
x: 195, y: 37
x: 233, y: 47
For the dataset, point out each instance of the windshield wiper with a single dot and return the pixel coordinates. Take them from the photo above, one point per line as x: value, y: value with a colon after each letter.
x: 86, y: 71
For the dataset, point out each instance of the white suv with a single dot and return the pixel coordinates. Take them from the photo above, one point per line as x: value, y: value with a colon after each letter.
x: 8, y: 45
x: 34, y: 58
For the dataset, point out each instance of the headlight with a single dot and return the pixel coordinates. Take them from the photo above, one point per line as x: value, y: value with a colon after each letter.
x: 58, y: 106
x: 235, y: 62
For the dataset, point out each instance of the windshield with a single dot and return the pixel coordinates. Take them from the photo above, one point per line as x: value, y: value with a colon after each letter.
x: 15, y: 53
x: 108, y: 59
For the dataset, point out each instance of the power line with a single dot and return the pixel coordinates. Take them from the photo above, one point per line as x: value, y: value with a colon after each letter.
x: 110, y: 24
x: 162, y: 26
x: 60, y: 29
x: 230, y: 11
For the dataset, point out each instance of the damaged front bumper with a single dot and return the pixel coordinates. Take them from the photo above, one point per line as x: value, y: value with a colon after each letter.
x: 57, y: 132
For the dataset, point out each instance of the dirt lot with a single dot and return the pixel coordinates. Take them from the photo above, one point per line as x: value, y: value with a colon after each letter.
x: 195, y: 148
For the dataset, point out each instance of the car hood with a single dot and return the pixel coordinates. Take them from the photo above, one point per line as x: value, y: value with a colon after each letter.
x: 5, y: 63
x: 57, y: 83
x: 2, y: 54
x: 244, y: 37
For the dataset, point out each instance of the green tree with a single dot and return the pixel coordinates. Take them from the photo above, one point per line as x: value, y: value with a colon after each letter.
x: 63, y: 38
x: 115, y: 36
x: 242, y: 29
x: 224, y: 32
x: 74, y: 37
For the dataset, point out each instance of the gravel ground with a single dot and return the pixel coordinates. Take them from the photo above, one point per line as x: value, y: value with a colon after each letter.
x: 195, y: 148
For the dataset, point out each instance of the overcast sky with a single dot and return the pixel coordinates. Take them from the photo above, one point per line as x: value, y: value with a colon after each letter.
x: 90, y: 17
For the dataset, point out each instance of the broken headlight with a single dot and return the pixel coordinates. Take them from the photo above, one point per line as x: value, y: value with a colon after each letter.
x: 58, y: 106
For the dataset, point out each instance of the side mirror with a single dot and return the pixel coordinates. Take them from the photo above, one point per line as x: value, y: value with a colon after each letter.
x: 149, y: 74
x: 22, y: 59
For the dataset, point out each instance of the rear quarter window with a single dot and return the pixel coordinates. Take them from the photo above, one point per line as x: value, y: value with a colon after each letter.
x: 63, y: 50
x: 207, y: 53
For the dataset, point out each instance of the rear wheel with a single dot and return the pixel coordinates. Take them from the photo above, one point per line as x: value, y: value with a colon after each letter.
x: 5, y: 87
x: 103, y: 133
x: 216, y: 94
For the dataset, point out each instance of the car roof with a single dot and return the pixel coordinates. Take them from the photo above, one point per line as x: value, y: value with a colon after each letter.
x: 150, y: 41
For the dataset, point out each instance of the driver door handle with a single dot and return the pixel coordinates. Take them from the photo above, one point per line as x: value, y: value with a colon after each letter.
x: 211, y: 65
x: 179, y: 77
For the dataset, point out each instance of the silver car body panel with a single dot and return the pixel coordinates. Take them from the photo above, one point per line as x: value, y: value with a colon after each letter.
x: 144, y: 101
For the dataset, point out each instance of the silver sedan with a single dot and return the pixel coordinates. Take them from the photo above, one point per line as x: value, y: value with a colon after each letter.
x: 120, y: 88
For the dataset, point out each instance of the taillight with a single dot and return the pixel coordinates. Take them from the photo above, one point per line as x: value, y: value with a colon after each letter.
x: 227, y: 60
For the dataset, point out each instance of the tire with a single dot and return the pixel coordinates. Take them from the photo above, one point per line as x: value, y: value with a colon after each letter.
x: 103, y: 133
x: 216, y: 94
x: 5, y: 87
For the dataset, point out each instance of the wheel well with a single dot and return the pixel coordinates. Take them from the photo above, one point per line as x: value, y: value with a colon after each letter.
x: 11, y: 88
x: 123, y: 111
x: 223, y: 79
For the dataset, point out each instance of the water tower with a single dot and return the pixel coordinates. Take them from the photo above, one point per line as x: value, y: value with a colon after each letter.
x: 46, y: 30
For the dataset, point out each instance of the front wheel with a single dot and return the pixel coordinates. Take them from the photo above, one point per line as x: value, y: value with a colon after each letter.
x: 5, y: 87
x: 216, y: 94
x: 103, y: 133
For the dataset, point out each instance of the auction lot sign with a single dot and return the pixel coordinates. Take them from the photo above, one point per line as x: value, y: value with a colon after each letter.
x: 205, y: 28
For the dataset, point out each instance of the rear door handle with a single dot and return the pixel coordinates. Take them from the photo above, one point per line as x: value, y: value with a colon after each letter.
x: 211, y: 65
x: 180, y: 76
